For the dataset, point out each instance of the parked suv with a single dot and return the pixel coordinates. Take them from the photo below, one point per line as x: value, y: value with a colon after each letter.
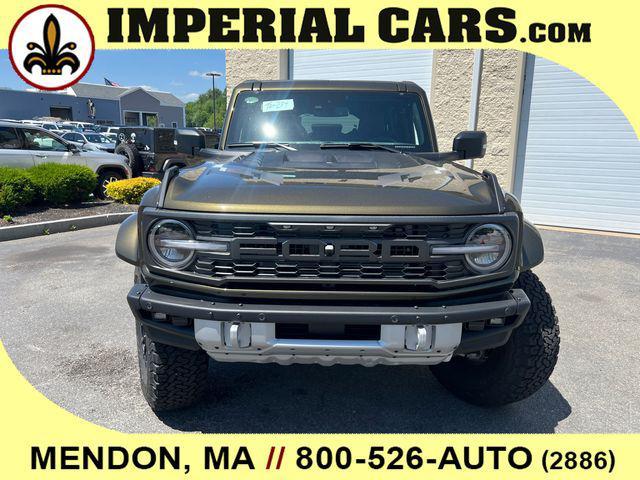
x: 23, y: 146
x: 332, y: 230
x: 151, y: 150
x: 97, y: 141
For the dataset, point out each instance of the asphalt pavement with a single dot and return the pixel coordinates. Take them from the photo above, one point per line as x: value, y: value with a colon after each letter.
x: 66, y: 325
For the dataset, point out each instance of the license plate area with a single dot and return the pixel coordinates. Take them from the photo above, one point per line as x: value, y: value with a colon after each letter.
x: 327, y: 331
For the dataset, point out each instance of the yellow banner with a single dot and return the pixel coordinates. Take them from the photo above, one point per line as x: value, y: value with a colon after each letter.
x: 41, y: 440
x: 595, y: 39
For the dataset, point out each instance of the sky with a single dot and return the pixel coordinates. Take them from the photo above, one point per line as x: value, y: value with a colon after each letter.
x: 180, y: 72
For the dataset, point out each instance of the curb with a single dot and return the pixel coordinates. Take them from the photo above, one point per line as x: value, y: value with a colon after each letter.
x: 58, y: 226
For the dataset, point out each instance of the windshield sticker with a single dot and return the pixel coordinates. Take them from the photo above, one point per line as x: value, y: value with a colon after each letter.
x: 251, y: 100
x: 277, y: 105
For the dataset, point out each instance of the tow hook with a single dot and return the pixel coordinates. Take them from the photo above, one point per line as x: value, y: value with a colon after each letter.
x: 417, y: 338
x: 237, y: 335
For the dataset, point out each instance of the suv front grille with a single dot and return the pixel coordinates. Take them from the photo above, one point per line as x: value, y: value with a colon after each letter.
x: 449, y: 270
x: 325, y: 253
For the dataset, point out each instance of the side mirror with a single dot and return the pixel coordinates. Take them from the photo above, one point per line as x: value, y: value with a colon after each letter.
x: 470, y: 144
x: 72, y: 148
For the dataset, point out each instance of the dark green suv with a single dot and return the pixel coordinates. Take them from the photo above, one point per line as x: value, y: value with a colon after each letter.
x: 329, y: 228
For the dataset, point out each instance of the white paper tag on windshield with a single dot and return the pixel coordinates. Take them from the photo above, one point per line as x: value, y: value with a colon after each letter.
x: 277, y: 105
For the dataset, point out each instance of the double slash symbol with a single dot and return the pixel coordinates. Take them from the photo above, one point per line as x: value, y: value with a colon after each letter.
x: 280, y: 455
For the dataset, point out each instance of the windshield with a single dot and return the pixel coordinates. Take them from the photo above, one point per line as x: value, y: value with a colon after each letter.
x: 96, y: 138
x: 308, y: 119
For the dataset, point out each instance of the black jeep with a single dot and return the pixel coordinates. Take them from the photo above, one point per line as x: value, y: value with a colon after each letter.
x: 331, y: 229
x: 151, y: 150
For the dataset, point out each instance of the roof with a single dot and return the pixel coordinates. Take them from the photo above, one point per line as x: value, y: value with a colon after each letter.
x: 166, y: 98
x: 93, y: 90
x: 329, y: 84
x: 107, y: 92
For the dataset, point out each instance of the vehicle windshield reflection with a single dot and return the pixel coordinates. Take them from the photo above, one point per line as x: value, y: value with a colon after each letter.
x: 313, y: 119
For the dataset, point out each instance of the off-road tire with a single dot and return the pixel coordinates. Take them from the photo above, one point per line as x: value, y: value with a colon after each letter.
x: 516, y: 370
x: 170, y: 377
x: 105, y: 177
x: 134, y: 160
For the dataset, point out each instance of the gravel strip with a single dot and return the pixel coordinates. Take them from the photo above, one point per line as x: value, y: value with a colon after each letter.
x: 44, y: 214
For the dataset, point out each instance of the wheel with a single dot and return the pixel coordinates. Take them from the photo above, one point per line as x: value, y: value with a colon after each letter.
x: 133, y: 157
x: 170, y: 377
x: 519, y: 368
x: 104, y: 179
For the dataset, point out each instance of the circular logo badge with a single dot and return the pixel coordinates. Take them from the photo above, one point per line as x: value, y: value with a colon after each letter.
x: 51, y: 47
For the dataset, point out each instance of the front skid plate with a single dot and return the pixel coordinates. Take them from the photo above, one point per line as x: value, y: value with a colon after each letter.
x: 390, y: 349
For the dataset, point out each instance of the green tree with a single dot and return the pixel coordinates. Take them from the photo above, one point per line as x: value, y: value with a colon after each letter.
x: 199, y: 113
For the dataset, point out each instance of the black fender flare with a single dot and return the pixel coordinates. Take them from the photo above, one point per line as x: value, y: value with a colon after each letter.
x: 173, y: 162
x: 532, y: 246
x: 127, y: 240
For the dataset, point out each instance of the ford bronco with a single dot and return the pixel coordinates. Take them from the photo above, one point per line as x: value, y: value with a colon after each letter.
x: 329, y: 228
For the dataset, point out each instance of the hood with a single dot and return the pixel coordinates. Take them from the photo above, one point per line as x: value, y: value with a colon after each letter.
x: 336, y: 182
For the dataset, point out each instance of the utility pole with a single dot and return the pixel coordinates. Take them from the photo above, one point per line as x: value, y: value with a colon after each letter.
x: 213, y: 76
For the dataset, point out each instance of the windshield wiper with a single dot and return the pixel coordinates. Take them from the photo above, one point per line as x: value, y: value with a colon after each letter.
x: 282, y: 146
x: 360, y: 146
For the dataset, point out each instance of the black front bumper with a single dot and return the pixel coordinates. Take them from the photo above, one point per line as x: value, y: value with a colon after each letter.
x: 145, y: 302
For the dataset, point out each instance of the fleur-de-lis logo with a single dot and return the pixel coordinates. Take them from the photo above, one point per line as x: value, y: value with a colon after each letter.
x: 51, y: 47
x: 51, y: 56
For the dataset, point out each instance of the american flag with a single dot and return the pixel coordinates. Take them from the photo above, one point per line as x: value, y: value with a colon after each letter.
x: 110, y: 83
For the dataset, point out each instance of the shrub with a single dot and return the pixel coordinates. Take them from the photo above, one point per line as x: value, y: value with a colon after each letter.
x: 16, y: 189
x: 58, y: 183
x: 130, y: 190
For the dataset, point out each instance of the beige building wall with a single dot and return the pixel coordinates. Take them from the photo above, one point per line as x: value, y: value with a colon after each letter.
x: 244, y: 65
x: 498, y: 111
x: 450, y: 93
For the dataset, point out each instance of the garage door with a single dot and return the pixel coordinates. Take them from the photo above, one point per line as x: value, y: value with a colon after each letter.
x: 578, y: 159
x: 397, y: 65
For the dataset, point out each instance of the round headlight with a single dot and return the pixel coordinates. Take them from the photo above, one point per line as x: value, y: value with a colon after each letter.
x: 493, y: 244
x: 165, y: 241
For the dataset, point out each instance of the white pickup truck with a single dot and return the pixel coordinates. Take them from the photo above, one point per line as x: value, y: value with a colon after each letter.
x: 24, y: 146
